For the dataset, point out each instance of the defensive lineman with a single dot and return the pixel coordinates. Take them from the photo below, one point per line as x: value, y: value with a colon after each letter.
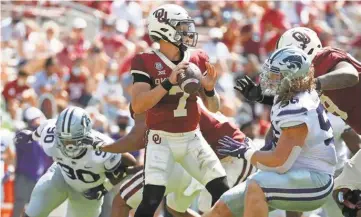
x: 297, y: 173
x: 83, y: 176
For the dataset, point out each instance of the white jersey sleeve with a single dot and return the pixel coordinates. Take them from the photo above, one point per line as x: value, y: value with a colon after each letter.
x: 37, y: 133
x: 45, y: 134
x: 295, y: 112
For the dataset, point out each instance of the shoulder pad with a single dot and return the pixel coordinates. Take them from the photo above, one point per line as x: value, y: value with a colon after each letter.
x: 37, y: 133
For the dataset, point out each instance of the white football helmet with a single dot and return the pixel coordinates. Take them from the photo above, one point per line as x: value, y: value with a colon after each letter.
x: 73, y: 128
x: 284, y: 65
x: 303, y: 38
x: 172, y: 23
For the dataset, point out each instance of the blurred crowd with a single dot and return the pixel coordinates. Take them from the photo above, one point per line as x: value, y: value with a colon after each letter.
x: 50, y: 64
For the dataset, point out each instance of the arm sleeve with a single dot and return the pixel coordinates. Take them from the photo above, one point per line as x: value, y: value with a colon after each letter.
x: 37, y: 133
x: 294, y: 121
x: 329, y: 57
x: 141, y: 78
x: 138, y: 70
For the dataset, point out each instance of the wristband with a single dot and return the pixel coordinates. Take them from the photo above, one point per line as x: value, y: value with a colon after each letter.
x: 166, y: 84
x: 318, y: 84
x: 248, y: 154
x: 209, y: 93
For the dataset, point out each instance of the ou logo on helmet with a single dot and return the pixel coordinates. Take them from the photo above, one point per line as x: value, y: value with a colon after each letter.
x: 303, y: 38
x: 161, y: 15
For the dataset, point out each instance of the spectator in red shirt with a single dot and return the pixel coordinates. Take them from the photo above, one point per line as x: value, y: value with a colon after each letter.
x: 77, y: 79
x: 14, y: 89
x: 75, y: 46
x: 18, y: 93
x: 97, y: 60
x: 113, y: 42
x: 125, y: 62
x: 250, y: 40
x: 272, y: 25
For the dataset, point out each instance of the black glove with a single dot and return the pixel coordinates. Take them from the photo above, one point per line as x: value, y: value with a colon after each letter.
x: 23, y: 137
x: 95, y: 193
x: 249, y: 89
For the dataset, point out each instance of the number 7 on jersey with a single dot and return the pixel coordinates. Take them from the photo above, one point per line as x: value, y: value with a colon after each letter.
x: 181, y: 110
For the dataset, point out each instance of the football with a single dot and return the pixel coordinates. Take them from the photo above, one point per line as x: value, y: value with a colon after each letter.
x: 189, y: 80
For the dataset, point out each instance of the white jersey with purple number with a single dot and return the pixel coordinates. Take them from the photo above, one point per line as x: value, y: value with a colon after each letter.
x: 83, y: 172
x: 318, y: 152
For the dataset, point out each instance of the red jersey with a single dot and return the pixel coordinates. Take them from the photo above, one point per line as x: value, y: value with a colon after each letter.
x: 214, y: 128
x: 177, y: 111
x: 76, y: 86
x: 12, y: 90
x: 346, y: 102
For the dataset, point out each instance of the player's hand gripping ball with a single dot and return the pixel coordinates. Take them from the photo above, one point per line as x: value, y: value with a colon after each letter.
x: 189, y: 80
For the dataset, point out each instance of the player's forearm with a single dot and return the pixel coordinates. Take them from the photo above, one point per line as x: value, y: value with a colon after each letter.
x: 213, y: 102
x: 352, y: 140
x: 266, y: 158
x: 345, y: 75
x: 148, y: 99
x: 133, y: 141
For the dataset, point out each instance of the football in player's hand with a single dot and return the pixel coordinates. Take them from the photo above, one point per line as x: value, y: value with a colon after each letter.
x: 189, y: 80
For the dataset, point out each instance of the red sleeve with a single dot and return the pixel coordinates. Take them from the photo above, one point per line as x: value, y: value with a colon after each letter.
x: 137, y: 64
x: 5, y: 93
x: 139, y: 71
x: 329, y: 57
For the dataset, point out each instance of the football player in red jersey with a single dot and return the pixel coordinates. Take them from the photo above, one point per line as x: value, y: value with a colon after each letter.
x: 213, y: 126
x: 337, y: 75
x: 172, y: 116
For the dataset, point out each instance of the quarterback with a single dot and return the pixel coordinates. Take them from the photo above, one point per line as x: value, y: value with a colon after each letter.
x: 297, y: 173
x: 172, y: 116
x: 83, y: 176
x: 181, y: 188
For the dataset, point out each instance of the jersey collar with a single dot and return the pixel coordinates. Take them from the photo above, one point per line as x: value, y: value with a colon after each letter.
x: 169, y: 63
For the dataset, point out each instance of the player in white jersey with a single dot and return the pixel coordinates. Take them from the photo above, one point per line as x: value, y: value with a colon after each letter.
x: 81, y: 175
x: 296, y: 174
x: 346, y: 140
